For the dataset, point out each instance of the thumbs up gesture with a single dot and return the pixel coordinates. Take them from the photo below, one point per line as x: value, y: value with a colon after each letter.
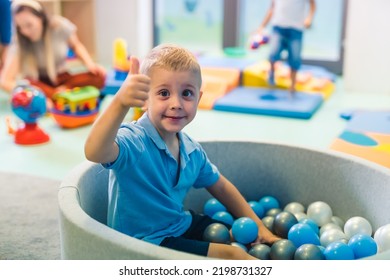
x: 135, y: 88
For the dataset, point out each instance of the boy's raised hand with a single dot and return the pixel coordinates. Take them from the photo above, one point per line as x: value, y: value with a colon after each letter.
x: 134, y: 91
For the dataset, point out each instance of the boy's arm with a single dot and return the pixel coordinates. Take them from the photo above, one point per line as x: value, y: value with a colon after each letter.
x: 310, y: 16
x: 266, y: 19
x: 228, y: 195
x: 82, y: 53
x: 100, y: 145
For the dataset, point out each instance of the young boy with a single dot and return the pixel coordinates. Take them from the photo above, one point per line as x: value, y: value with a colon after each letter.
x: 153, y: 163
x: 289, y: 21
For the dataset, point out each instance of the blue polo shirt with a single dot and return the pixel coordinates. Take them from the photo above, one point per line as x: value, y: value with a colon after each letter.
x: 145, y: 191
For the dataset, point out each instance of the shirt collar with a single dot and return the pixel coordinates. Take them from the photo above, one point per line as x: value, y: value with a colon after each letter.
x: 186, y: 145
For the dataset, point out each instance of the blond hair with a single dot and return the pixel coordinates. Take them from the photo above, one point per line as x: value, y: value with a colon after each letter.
x: 173, y: 58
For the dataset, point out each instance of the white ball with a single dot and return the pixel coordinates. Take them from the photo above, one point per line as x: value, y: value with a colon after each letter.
x: 338, y: 221
x: 382, y: 238
x: 294, y: 207
x: 357, y: 225
x: 300, y: 216
x: 332, y: 235
x: 329, y: 226
x: 320, y: 212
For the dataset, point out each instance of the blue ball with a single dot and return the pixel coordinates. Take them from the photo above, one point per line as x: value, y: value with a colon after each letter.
x: 311, y: 223
x: 257, y: 208
x: 338, y: 251
x: 269, y: 202
x: 363, y: 246
x: 213, y: 206
x: 301, y: 234
x: 223, y: 216
x: 244, y: 230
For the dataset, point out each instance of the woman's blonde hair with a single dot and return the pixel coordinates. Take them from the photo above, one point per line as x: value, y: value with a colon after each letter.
x: 171, y: 57
x: 28, y: 60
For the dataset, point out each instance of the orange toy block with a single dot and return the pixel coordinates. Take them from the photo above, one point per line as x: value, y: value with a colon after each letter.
x: 216, y: 83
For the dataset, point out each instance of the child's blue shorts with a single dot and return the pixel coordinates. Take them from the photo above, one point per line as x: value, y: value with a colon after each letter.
x: 286, y: 39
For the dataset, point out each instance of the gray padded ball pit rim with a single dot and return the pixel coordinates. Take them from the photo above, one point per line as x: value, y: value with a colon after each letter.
x: 351, y: 186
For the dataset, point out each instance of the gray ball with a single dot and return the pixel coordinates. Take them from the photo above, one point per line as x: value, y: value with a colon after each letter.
x: 217, y: 233
x: 283, y: 222
x: 282, y: 249
x: 309, y: 252
x: 260, y: 251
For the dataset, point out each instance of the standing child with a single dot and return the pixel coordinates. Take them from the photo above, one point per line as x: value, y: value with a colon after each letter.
x: 288, y: 22
x: 153, y: 163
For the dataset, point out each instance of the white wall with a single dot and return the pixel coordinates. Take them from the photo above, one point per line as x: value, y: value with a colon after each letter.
x: 367, y: 47
x: 127, y: 19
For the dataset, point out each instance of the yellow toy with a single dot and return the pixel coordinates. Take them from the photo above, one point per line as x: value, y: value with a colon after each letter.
x: 121, y: 59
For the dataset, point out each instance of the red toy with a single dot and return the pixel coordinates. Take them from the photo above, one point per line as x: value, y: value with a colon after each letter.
x: 257, y: 40
x: 29, y: 104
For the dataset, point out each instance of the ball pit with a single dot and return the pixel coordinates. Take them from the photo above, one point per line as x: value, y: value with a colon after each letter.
x: 351, y: 186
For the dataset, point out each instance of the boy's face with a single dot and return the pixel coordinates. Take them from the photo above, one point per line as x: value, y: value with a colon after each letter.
x: 173, y: 100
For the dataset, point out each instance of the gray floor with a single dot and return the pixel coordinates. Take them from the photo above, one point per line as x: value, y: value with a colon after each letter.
x: 65, y: 149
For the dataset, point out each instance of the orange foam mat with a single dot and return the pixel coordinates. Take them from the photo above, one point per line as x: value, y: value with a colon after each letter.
x: 216, y: 83
x: 379, y: 154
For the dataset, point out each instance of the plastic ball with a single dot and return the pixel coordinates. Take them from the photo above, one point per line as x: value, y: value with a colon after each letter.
x: 282, y: 249
x: 332, y: 235
x: 257, y: 208
x: 269, y: 202
x: 309, y: 252
x: 311, y: 223
x: 338, y: 251
x: 283, y: 222
x: 217, y: 233
x: 329, y: 226
x: 260, y: 251
x: 300, y: 216
x: 244, y: 230
x: 382, y: 238
x: 362, y: 246
x: 320, y: 212
x: 212, y: 206
x: 273, y: 212
x: 294, y: 207
x: 268, y: 222
x: 357, y: 225
x: 338, y: 221
x: 239, y: 245
x: 28, y: 103
x: 301, y: 234
x: 223, y: 216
